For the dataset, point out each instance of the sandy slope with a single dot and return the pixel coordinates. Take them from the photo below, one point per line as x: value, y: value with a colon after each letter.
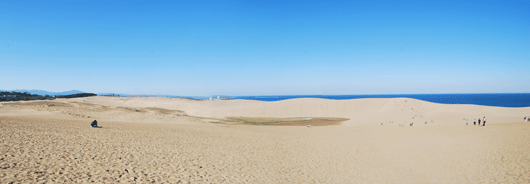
x: 51, y: 142
x: 359, y: 111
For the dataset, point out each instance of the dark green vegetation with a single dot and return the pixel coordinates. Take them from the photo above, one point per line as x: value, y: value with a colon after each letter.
x: 78, y: 95
x: 17, y: 96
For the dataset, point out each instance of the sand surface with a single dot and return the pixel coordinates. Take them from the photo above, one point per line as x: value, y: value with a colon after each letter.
x: 165, y: 140
x: 358, y: 111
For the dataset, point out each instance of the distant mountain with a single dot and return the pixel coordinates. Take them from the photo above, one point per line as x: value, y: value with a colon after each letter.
x: 42, y: 92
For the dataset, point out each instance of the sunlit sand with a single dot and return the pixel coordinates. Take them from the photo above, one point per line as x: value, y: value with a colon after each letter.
x: 170, y: 140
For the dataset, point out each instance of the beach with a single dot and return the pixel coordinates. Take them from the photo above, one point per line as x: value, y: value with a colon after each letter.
x: 171, y: 140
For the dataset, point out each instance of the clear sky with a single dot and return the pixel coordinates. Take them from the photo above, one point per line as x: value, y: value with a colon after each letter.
x: 265, y: 47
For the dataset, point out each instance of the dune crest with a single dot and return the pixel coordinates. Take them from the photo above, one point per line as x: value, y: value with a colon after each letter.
x: 359, y: 111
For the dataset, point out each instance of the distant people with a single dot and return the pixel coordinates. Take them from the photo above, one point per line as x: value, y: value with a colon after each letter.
x: 94, y: 124
x: 475, y: 121
x: 484, y: 121
x: 411, y: 124
x: 478, y: 121
x: 467, y: 122
x: 525, y: 119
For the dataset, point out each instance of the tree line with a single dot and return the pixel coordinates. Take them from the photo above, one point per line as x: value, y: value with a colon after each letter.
x: 78, y: 95
x: 17, y: 96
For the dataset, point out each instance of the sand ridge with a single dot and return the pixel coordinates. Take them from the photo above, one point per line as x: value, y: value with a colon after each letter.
x: 358, y: 111
x: 142, y: 142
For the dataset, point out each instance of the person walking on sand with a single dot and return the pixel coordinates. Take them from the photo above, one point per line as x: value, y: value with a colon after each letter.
x: 478, y: 121
x: 484, y: 121
x: 466, y: 122
x: 475, y: 121
x: 525, y: 119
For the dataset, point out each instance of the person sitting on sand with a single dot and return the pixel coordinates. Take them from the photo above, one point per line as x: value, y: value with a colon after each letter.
x: 94, y: 124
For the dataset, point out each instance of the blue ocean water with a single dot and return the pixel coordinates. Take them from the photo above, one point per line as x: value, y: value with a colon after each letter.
x: 488, y: 99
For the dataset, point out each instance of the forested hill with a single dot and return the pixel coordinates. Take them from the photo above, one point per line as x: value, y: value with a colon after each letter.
x: 17, y: 96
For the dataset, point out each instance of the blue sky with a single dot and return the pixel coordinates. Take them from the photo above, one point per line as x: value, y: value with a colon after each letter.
x: 202, y: 48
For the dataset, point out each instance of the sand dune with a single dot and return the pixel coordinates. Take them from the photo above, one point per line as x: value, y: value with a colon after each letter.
x: 166, y: 140
x: 359, y: 111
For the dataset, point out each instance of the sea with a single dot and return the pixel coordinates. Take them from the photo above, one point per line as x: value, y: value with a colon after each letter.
x: 486, y: 99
